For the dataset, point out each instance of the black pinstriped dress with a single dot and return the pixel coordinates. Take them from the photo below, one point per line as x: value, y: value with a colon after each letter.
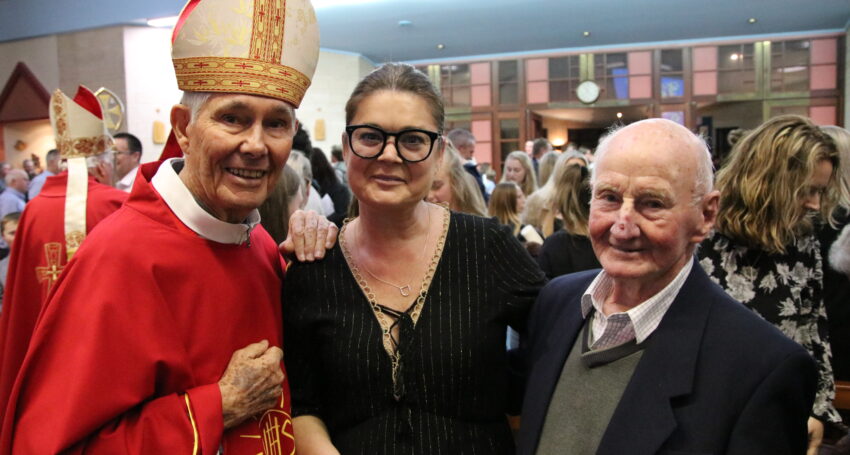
x: 454, y: 374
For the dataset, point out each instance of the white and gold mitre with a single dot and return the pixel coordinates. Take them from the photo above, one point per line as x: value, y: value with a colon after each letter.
x: 78, y: 124
x: 256, y: 47
x: 80, y: 133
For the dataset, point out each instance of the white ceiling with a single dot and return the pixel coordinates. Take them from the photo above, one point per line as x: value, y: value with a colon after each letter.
x: 474, y: 27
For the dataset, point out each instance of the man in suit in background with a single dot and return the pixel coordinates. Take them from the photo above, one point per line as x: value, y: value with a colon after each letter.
x: 649, y: 355
x: 464, y: 142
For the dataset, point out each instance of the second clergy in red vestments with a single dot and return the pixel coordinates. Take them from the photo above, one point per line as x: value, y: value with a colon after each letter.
x: 41, y: 251
x: 163, y: 333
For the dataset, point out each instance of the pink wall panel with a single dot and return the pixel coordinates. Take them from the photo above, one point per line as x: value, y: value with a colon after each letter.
x: 479, y: 73
x: 640, y: 86
x: 640, y: 62
x: 482, y: 130
x: 481, y: 95
x: 705, y: 83
x: 824, y: 51
x: 705, y: 58
x: 537, y: 69
x: 823, y: 77
x: 823, y: 115
x: 538, y: 92
x: 483, y: 152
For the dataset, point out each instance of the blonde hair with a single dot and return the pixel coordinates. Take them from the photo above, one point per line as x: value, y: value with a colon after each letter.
x: 546, y: 166
x: 572, y: 197
x: 529, y: 183
x: 841, y: 138
x: 503, y: 205
x: 765, y: 178
x: 466, y: 196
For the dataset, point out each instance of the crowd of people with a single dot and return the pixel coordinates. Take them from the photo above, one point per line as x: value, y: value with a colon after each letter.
x: 248, y: 293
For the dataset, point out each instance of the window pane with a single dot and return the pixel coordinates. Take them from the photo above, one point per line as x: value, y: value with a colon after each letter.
x: 730, y: 82
x: 671, y: 60
x: 559, y: 68
x: 445, y: 76
x: 508, y: 93
x: 508, y: 71
x: 508, y: 147
x: 460, y: 74
x: 672, y: 86
x: 729, y: 57
x: 617, y: 87
x: 574, y: 66
x: 615, y: 62
x: 796, y: 78
x: 796, y: 53
x: 465, y: 124
x: 559, y: 90
x: 460, y: 96
x: 509, y: 128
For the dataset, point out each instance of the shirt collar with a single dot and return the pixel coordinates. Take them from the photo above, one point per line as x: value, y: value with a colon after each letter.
x: 646, y: 316
x: 181, y: 201
x: 17, y: 193
x: 127, y: 180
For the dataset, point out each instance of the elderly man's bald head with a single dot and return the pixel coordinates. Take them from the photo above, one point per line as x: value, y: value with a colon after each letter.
x: 668, y: 138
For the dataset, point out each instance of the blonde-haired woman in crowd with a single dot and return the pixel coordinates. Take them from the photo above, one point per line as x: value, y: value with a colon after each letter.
x: 518, y: 169
x: 547, y: 165
x: 506, y: 203
x: 568, y: 249
x: 778, y: 179
x: 541, y: 208
x: 455, y: 186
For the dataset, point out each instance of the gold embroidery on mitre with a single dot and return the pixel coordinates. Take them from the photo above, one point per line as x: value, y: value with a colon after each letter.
x: 60, y: 119
x: 73, y: 241
x: 268, y: 28
x: 239, y: 75
x: 84, y: 146
x: 53, y: 258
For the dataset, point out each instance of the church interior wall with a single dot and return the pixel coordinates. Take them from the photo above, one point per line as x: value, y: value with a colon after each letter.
x: 41, y: 56
x: 35, y: 137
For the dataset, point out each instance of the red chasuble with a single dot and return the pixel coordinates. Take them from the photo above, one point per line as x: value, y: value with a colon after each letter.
x: 38, y: 257
x: 131, y: 344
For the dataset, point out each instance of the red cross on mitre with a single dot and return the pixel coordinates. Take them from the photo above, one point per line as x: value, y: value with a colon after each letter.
x: 240, y: 83
x: 51, y: 272
x: 282, y: 90
x: 201, y: 65
x: 199, y: 82
x: 244, y: 65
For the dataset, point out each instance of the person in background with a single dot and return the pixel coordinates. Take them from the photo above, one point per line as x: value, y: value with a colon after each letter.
x: 488, y: 176
x: 396, y: 341
x: 568, y: 250
x: 648, y: 355
x: 464, y: 142
x: 541, y: 147
x: 776, y: 182
x: 128, y: 157
x: 455, y: 187
x: 283, y: 201
x: 507, y: 203
x: 541, y: 208
x: 547, y: 165
x: 8, y: 227
x: 301, y: 164
x: 518, y: 169
x: 14, y: 197
x: 339, y: 164
x: 51, y: 159
x: 30, y: 168
x: 4, y: 169
x: 329, y: 187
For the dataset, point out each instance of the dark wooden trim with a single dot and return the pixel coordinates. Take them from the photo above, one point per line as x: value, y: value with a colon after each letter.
x: 842, y: 395
x: 22, y: 71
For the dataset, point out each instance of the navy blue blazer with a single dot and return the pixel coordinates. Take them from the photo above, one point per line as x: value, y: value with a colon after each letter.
x: 714, y: 377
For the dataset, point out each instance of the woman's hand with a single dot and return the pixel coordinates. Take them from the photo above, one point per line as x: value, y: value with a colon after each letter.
x: 815, y: 435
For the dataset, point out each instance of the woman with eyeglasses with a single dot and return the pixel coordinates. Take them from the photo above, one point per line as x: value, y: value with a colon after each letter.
x: 395, y: 342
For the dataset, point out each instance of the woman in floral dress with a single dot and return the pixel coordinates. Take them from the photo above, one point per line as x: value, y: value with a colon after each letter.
x: 764, y: 252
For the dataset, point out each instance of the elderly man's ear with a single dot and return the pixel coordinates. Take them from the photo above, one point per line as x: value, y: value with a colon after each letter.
x: 708, y: 215
x: 180, y: 116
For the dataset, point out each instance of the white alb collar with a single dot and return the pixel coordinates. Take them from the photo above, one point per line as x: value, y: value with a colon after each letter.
x: 180, y: 200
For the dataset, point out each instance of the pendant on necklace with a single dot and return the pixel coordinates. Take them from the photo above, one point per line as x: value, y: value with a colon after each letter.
x: 405, y: 290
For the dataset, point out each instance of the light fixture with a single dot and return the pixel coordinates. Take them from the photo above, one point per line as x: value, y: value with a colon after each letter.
x: 734, y: 57
x: 404, y: 23
x: 619, y: 115
x: 441, y: 46
x: 752, y: 20
x: 169, y: 21
x: 585, y: 33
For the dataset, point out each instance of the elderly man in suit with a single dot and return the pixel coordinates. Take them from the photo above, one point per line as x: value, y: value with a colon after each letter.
x: 649, y: 355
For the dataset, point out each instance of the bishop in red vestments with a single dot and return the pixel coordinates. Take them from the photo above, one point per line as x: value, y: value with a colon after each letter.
x: 164, y: 333
x: 37, y: 259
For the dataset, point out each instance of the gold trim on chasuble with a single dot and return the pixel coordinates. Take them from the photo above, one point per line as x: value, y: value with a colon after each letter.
x: 192, y: 421
x: 53, y: 258
x: 274, y: 425
x: 261, y: 73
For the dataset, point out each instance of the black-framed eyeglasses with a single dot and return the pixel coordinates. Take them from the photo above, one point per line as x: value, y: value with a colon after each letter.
x: 413, y: 144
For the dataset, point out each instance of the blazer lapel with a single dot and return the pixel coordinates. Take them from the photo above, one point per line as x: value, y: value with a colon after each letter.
x: 644, y: 418
x: 550, y: 354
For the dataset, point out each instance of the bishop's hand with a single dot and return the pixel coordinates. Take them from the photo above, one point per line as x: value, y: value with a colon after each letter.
x: 310, y: 235
x: 252, y: 382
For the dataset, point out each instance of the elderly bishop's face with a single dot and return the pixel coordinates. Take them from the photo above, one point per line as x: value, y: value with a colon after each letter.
x: 235, y: 151
x: 643, y: 219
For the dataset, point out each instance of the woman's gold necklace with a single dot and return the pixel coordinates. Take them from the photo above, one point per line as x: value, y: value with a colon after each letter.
x: 404, y: 290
